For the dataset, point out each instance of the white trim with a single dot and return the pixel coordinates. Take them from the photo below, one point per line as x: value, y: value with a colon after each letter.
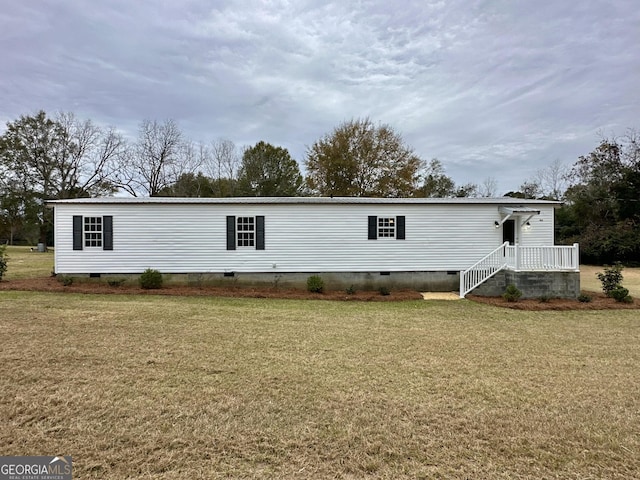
x: 506, y: 202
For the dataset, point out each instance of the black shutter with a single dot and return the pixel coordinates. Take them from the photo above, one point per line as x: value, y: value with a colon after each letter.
x: 400, y: 227
x: 107, y: 232
x: 373, y: 227
x: 77, y: 232
x: 231, y: 232
x: 259, y: 232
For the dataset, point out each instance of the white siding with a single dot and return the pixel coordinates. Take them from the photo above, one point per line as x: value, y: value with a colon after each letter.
x: 540, y: 232
x: 182, y: 238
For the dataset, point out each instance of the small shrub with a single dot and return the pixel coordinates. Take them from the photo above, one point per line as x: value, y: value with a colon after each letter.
x: 3, y: 260
x: 512, y: 293
x: 150, y: 279
x: 351, y: 290
x: 384, y: 291
x: 619, y: 293
x: 584, y: 298
x: 65, y: 280
x: 315, y: 284
x: 611, y: 278
x: 545, y: 298
x: 116, y: 282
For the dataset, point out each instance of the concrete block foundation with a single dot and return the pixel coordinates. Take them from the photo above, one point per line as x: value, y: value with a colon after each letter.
x: 532, y: 284
x: 418, y: 281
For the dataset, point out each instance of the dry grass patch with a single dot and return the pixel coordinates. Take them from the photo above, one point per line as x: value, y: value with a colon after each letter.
x: 167, y: 387
x: 24, y: 263
x: 589, y: 281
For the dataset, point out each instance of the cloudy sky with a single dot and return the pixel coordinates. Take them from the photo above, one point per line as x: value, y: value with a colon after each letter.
x: 492, y: 88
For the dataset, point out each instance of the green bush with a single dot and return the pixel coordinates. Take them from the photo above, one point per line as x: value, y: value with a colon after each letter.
x: 351, y: 290
x: 545, y: 298
x: 3, y: 260
x: 65, y: 280
x: 619, y: 294
x: 150, y: 279
x: 512, y: 293
x: 384, y: 291
x: 315, y: 284
x: 611, y: 278
x: 116, y: 282
x: 584, y: 298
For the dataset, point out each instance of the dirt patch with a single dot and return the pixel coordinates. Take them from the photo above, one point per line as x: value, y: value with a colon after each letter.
x: 51, y: 284
x: 598, y: 302
x: 440, y: 296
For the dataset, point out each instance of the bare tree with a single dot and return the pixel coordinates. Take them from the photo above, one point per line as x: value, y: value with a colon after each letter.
x: 225, y: 159
x: 157, y: 159
x: 88, y: 158
x: 488, y: 188
x: 631, y: 152
x: 223, y: 166
x: 194, y: 156
x: 553, y: 180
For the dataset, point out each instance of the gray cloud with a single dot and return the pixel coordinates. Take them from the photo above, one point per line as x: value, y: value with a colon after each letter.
x: 491, y: 88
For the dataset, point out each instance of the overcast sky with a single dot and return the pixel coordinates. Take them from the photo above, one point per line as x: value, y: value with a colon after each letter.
x: 494, y: 88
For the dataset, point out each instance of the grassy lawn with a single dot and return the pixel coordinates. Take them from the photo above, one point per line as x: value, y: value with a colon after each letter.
x: 589, y: 281
x: 23, y: 263
x: 171, y: 387
x: 193, y: 387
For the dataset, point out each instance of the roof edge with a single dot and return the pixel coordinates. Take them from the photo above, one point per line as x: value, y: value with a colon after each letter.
x: 299, y: 200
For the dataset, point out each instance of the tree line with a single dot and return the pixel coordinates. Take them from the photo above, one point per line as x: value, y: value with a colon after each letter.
x: 602, y: 203
x: 43, y: 158
x: 600, y: 192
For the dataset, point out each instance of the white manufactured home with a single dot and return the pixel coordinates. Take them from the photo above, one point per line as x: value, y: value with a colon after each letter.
x: 426, y: 244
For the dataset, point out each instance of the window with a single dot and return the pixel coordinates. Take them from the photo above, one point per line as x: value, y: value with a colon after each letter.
x: 93, y: 231
x: 386, y: 227
x: 246, y: 231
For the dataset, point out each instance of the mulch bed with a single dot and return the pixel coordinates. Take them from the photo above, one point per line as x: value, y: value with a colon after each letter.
x: 50, y: 284
x: 598, y: 302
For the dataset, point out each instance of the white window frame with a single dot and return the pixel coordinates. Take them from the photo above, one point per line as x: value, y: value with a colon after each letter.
x: 92, y: 232
x: 386, y: 227
x: 246, y: 232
